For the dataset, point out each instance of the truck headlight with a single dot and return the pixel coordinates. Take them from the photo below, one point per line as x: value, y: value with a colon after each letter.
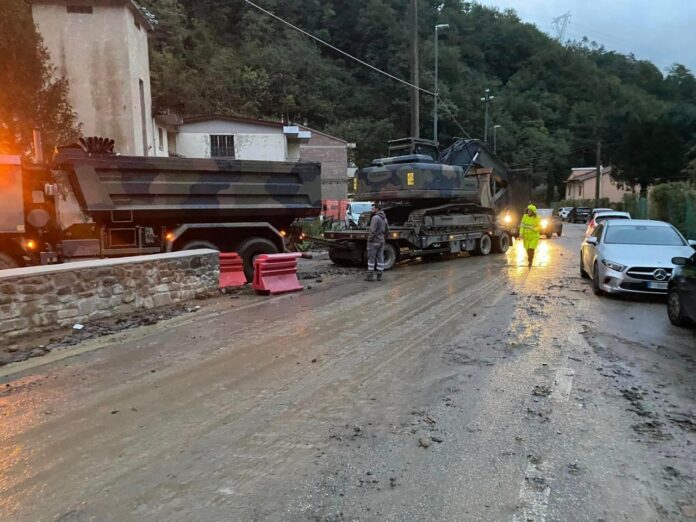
x: 614, y: 266
x: 507, y: 218
x: 544, y: 223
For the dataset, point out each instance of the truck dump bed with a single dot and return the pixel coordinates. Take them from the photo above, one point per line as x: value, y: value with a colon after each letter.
x: 191, y: 189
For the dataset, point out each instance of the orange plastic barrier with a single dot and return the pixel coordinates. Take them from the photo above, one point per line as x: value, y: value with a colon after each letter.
x: 231, y: 270
x: 276, y: 274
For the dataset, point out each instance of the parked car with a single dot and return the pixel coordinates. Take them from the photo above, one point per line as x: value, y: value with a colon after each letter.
x: 601, y: 216
x: 632, y: 256
x: 353, y: 211
x: 681, y: 300
x: 563, y: 212
x: 550, y: 222
x: 579, y: 215
x: 598, y: 210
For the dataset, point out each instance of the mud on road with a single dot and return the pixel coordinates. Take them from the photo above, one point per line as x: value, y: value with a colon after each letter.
x: 467, y: 389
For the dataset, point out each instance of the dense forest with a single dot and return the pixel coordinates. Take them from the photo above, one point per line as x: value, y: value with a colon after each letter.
x: 553, y: 101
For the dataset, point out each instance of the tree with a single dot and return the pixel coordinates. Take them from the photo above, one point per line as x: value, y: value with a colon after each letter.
x: 31, y: 96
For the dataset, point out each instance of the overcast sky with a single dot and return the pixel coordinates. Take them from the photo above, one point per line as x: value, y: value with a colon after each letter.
x: 662, y: 31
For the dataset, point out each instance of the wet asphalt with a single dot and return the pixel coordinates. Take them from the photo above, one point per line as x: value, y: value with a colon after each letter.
x: 459, y: 389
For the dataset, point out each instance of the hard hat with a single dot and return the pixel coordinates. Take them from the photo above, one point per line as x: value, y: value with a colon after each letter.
x: 532, y: 208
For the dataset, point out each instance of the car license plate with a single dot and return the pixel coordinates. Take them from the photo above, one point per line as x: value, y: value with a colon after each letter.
x: 657, y: 286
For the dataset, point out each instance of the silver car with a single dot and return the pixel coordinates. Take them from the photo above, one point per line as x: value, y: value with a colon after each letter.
x: 632, y: 256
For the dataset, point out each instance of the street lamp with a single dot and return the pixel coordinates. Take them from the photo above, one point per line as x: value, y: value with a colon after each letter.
x: 495, y: 143
x: 486, y: 99
x: 437, y: 28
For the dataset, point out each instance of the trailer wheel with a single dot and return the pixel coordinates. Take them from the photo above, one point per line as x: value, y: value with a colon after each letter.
x: 338, y: 260
x: 250, y: 249
x: 391, y: 256
x: 484, y: 245
x: 7, y: 262
x: 501, y: 244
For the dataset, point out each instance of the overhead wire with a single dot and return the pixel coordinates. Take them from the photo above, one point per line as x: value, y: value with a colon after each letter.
x: 341, y: 51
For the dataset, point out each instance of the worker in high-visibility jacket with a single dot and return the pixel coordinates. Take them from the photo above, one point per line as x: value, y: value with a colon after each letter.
x: 530, y: 230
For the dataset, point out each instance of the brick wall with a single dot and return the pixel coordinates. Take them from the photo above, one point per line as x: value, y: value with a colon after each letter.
x: 43, y: 298
x: 332, y: 153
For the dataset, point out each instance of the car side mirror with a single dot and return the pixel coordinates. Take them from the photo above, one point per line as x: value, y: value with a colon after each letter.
x: 680, y: 261
x: 692, y: 242
x: 592, y: 240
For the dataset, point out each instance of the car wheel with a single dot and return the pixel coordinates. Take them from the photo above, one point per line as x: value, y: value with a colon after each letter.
x: 675, y: 310
x: 595, y: 281
x: 583, y: 274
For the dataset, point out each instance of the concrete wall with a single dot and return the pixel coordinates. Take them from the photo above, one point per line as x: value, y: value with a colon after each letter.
x: 39, y: 299
x: 103, y: 55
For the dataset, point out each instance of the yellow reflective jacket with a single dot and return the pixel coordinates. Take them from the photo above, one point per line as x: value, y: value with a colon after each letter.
x: 530, y: 228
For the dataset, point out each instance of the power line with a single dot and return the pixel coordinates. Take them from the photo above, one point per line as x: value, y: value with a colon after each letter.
x: 444, y: 105
x: 327, y: 44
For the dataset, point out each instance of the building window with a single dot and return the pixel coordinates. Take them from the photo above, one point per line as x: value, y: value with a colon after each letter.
x: 160, y: 136
x: 82, y: 9
x: 222, y: 146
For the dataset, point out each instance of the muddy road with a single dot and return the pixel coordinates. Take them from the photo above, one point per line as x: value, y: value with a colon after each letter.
x: 467, y: 389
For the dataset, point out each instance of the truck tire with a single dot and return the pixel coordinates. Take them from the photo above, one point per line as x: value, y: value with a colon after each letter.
x: 7, y: 262
x: 338, y: 260
x: 501, y: 243
x: 391, y: 256
x: 199, y: 243
x: 484, y: 245
x: 560, y: 232
x: 250, y: 249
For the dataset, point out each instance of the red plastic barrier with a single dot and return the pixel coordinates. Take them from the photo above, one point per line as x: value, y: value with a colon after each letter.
x: 276, y: 274
x: 231, y: 270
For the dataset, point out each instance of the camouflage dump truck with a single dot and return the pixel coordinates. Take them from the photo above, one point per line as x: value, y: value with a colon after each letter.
x: 435, y: 203
x: 95, y: 205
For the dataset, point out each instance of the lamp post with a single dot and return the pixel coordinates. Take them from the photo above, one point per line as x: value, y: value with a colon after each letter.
x: 495, y: 141
x: 437, y: 28
x: 486, y: 99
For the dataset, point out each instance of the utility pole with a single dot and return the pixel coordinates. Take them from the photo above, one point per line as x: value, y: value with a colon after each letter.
x: 599, y: 173
x: 415, y: 102
x: 495, y: 138
x: 486, y: 99
x: 560, y: 24
x: 437, y: 28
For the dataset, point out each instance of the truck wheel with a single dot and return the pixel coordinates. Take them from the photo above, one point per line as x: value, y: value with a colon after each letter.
x: 7, y: 262
x: 484, y: 246
x: 501, y: 243
x: 250, y: 249
x: 199, y: 243
x: 560, y: 232
x: 391, y: 256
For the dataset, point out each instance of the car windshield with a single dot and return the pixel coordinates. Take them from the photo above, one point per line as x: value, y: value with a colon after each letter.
x: 545, y: 212
x: 359, y: 208
x: 642, y: 235
x: 583, y: 209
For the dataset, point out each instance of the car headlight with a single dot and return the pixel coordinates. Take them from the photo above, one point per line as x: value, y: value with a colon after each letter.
x: 614, y: 266
x: 544, y: 223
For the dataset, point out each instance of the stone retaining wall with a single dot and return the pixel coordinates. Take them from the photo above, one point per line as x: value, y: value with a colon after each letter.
x: 42, y: 298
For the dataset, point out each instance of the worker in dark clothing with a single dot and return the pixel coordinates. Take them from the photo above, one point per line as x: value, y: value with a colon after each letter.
x: 375, y: 243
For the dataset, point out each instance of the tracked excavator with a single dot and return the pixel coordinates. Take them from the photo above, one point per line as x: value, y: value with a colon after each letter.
x: 454, y: 201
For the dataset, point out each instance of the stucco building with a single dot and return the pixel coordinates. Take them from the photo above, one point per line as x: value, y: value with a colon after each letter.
x: 582, y: 182
x: 244, y: 138
x: 101, y: 47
